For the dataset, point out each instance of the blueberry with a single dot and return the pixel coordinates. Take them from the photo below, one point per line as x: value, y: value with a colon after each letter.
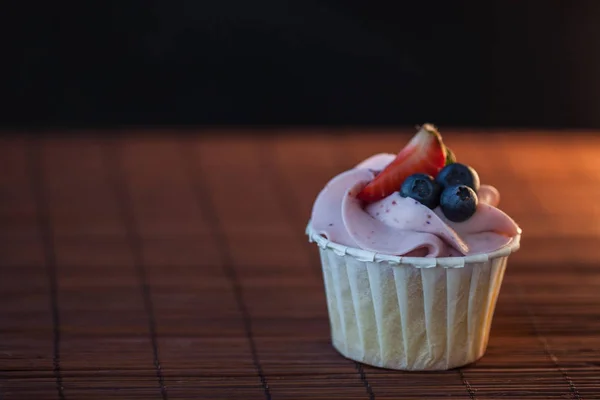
x: 458, y: 174
x: 458, y: 203
x: 423, y: 188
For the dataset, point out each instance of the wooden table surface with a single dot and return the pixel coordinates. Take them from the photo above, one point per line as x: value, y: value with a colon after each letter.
x: 172, y: 266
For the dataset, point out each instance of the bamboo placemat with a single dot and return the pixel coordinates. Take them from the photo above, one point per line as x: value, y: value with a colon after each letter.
x: 168, y: 266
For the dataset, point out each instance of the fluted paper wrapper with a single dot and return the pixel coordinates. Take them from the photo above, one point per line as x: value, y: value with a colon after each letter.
x: 408, y: 316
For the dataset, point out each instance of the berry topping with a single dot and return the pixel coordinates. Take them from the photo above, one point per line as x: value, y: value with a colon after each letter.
x: 458, y: 174
x: 458, y: 202
x: 423, y: 188
x: 425, y: 153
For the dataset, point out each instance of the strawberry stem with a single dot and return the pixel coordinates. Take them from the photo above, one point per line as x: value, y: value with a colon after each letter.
x: 450, y: 157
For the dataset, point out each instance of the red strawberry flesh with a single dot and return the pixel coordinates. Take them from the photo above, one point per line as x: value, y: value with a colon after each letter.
x: 425, y: 153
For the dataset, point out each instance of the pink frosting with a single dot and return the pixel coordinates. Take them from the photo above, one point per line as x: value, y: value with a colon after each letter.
x: 402, y: 226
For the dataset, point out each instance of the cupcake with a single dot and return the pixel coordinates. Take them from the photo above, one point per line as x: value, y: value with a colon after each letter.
x: 413, y: 250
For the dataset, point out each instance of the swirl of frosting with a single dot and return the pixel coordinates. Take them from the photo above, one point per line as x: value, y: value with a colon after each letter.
x: 402, y: 226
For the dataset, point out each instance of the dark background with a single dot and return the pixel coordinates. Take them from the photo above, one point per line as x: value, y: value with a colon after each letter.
x: 275, y: 62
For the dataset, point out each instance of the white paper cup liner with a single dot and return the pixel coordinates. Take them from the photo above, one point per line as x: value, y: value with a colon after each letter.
x: 410, y: 313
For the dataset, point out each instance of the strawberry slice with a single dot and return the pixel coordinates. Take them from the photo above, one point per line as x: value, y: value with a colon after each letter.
x: 425, y: 153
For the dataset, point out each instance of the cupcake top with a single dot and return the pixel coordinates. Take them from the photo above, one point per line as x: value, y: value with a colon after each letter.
x: 418, y: 203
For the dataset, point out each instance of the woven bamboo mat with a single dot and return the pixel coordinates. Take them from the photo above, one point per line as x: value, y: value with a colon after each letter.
x: 175, y: 267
